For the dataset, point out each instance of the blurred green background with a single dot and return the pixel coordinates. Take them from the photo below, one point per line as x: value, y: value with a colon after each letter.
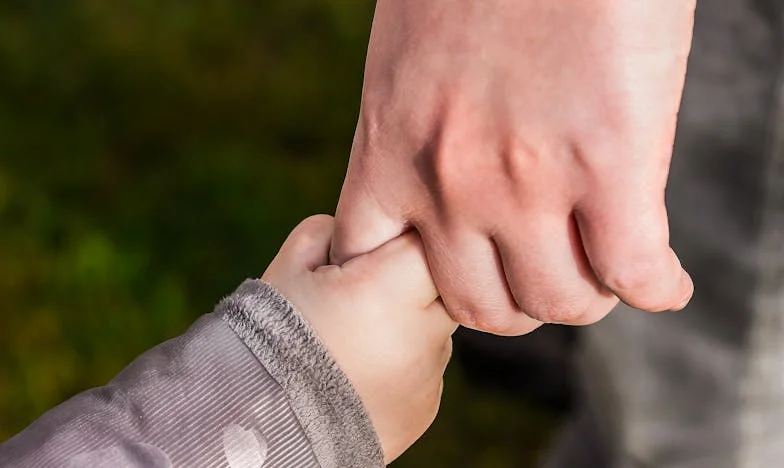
x: 153, y: 155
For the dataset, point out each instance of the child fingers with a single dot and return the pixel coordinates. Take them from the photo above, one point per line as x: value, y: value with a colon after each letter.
x: 439, y: 319
x: 440, y: 327
x: 306, y: 248
x: 398, y: 269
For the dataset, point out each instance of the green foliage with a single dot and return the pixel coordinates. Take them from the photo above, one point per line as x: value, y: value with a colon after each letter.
x: 153, y: 155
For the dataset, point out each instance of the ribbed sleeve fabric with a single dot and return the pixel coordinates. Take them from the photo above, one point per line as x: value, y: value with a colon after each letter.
x: 326, y: 404
x: 204, y: 399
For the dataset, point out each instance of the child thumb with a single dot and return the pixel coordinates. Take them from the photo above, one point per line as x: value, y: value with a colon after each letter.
x: 307, y: 247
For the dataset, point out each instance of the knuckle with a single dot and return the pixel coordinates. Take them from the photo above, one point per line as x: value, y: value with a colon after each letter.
x: 490, y: 319
x: 558, y: 311
x: 318, y: 221
x: 320, y: 218
x: 312, y: 228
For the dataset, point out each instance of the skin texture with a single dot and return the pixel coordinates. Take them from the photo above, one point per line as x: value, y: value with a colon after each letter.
x: 528, y: 142
x: 380, y: 318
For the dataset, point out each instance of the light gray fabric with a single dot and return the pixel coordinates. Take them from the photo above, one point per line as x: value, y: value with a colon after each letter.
x: 704, y: 388
x: 204, y: 399
x: 326, y: 403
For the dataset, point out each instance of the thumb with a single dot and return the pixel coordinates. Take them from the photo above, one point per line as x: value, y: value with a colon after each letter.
x: 305, y: 249
x: 361, y: 224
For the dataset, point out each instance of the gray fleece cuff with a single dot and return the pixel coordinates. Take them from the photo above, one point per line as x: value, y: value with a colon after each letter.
x: 326, y: 404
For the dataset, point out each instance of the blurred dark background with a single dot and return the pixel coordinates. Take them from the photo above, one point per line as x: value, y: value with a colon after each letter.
x: 154, y: 154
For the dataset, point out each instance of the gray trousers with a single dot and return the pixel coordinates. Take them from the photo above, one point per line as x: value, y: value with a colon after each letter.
x: 704, y: 388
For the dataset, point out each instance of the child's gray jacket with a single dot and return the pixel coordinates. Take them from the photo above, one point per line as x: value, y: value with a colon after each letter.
x: 248, y: 385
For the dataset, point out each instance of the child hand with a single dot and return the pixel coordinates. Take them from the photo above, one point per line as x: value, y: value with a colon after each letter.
x: 380, y: 317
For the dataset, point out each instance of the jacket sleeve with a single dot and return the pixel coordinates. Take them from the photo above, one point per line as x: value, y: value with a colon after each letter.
x: 248, y: 385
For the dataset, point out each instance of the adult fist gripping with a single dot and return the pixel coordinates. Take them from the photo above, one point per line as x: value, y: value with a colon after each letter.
x: 529, y: 143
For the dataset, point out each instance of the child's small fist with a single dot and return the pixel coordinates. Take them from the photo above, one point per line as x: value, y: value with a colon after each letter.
x: 380, y: 317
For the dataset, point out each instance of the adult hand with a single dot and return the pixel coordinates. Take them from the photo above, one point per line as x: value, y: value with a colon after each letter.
x: 529, y: 143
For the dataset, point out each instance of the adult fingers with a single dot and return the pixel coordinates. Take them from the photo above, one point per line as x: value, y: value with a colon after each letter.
x: 468, y: 272
x: 548, y: 273
x: 626, y: 237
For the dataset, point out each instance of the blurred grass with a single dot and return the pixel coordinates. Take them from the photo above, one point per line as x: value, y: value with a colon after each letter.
x: 153, y: 155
